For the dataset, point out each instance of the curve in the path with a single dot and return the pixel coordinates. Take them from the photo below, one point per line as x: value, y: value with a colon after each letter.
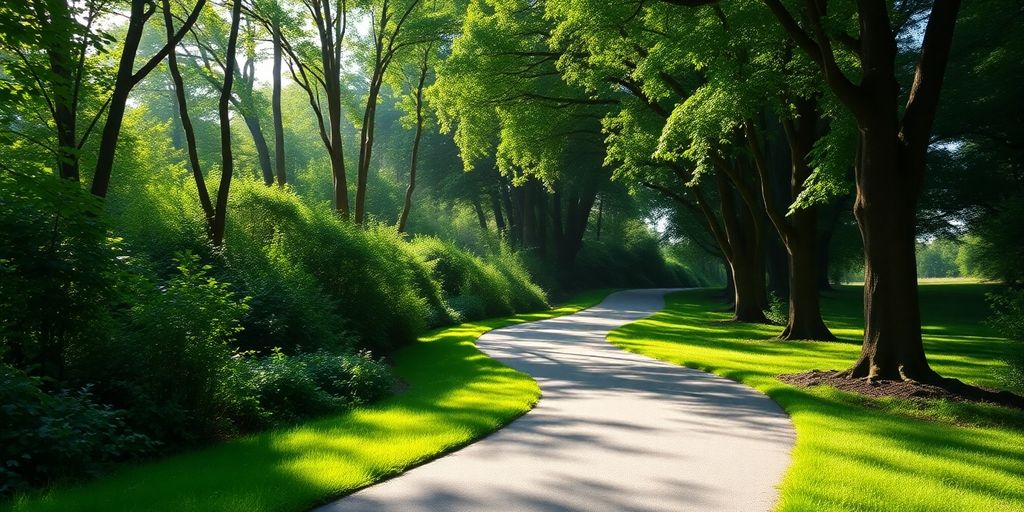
x: 613, y: 431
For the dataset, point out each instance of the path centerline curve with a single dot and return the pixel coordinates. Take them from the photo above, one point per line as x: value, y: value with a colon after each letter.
x: 613, y: 431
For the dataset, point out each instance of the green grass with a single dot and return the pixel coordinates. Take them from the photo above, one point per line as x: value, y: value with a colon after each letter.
x: 456, y: 395
x: 853, y: 453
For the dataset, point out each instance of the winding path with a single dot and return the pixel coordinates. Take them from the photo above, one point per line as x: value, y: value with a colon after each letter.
x: 613, y: 431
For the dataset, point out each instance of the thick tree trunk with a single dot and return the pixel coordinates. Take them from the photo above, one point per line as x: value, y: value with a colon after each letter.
x: 805, y: 322
x: 279, y: 123
x: 745, y: 260
x: 885, y: 212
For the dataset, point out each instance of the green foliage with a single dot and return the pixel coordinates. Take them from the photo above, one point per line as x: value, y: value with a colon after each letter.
x: 1008, y: 319
x: 166, y: 358
x: 476, y: 287
x: 633, y: 259
x: 778, y: 310
x: 50, y: 308
x: 938, y: 258
x: 365, y: 274
x: 46, y: 436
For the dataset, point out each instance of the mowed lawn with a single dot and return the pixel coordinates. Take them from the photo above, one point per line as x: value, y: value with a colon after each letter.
x: 455, y: 395
x: 854, y: 453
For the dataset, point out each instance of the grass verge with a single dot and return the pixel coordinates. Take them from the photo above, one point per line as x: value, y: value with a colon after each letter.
x: 854, y: 453
x: 456, y: 395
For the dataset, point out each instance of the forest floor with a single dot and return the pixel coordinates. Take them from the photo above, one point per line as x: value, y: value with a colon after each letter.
x: 455, y: 395
x: 854, y: 452
x: 613, y: 431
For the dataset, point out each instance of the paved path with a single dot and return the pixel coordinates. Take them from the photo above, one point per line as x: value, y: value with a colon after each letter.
x: 613, y: 431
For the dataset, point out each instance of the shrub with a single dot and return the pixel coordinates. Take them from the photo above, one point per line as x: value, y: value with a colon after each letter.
x: 287, y: 392
x: 356, y: 377
x: 169, y: 353
x: 363, y: 272
x: 46, y: 437
x: 1008, y: 319
x: 500, y: 284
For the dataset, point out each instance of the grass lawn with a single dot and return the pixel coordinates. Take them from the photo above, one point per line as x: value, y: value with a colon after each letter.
x: 456, y: 395
x: 854, y: 453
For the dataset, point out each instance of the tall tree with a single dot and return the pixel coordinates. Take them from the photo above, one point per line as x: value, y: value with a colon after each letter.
x: 223, y: 111
x: 316, y: 66
x: 126, y: 78
x: 424, y: 70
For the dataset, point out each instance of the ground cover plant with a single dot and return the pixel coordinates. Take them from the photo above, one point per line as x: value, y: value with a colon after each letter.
x: 854, y: 452
x: 454, y: 395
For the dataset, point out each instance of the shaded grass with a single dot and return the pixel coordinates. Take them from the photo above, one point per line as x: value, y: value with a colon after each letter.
x: 855, y: 453
x: 456, y: 395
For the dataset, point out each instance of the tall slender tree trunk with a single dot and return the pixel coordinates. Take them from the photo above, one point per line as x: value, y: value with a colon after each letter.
x: 186, y: 124
x: 424, y: 69
x: 279, y: 152
x: 65, y: 113
x: 223, y: 109
x: 745, y: 260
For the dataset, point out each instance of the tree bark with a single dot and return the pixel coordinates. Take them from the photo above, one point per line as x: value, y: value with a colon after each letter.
x: 745, y: 260
x: 223, y: 108
x: 499, y: 220
x: 424, y: 69
x: 279, y: 152
x: 186, y: 124
x: 127, y: 78
x: 252, y: 122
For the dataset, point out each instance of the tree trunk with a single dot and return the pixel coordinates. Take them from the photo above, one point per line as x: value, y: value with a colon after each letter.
x: 499, y: 220
x: 186, y: 124
x: 125, y: 79
x: 885, y: 212
x: 279, y: 155
x: 745, y: 260
x: 805, y: 322
x: 424, y: 68
x: 227, y: 159
x: 252, y: 122
x: 480, y: 217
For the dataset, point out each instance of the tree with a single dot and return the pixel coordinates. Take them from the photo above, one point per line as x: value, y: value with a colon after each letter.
x: 316, y: 66
x: 424, y: 69
x: 126, y: 78
x: 223, y: 110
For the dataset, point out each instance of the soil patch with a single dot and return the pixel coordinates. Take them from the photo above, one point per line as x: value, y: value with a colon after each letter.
x: 950, y: 389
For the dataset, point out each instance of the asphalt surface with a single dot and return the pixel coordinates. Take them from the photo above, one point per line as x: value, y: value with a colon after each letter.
x: 613, y: 431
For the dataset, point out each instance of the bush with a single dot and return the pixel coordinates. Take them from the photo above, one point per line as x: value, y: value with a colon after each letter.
x: 165, y: 360
x: 282, y: 389
x: 634, y: 261
x: 355, y: 377
x: 476, y: 287
x: 1008, y: 319
x: 362, y: 272
x: 46, y: 437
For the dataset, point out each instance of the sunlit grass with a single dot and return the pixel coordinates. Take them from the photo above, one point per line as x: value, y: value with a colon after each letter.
x: 456, y: 395
x: 853, y: 453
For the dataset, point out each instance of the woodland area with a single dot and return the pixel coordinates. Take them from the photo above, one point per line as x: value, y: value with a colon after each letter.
x: 220, y: 217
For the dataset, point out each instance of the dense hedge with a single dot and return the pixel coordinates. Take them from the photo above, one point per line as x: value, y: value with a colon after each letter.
x: 125, y: 335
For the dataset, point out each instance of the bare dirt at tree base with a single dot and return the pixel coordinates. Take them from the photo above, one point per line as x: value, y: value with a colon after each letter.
x: 950, y: 389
